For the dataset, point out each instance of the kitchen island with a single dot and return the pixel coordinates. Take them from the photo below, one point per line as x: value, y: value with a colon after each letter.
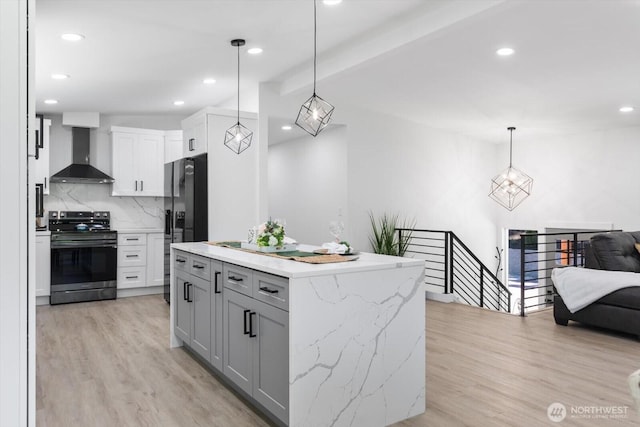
x: 339, y: 344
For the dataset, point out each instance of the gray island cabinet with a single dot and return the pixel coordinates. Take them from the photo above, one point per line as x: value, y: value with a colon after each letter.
x: 311, y: 345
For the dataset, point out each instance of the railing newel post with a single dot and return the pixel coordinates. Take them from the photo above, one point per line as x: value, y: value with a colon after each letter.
x: 522, y: 272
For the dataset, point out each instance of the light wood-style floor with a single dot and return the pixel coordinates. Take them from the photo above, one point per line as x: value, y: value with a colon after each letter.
x: 108, y: 364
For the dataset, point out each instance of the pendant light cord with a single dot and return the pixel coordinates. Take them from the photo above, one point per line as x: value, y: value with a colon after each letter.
x: 511, y: 129
x: 510, y: 147
x: 239, y: 83
x: 315, y: 42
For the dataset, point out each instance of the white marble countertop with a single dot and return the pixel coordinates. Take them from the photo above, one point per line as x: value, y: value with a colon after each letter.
x: 139, y: 230
x: 294, y: 269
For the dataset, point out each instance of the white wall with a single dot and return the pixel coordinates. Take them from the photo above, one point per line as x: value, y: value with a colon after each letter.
x: 580, y: 180
x: 390, y: 165
x: 308, y: 184
x: 126, y: 212
x: 16, y: 217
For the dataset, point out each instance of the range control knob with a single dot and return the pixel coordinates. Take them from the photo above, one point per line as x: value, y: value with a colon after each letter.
x: 61, y: 214
x: 98, y: 214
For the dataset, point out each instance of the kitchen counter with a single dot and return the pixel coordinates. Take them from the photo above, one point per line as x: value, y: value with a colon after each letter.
x: 354, y: 333
x: 139, y: 230
x: 43, y: 232
x: 294, y: 269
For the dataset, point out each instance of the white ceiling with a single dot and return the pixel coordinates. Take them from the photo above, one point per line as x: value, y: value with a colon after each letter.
x: 433, y: 62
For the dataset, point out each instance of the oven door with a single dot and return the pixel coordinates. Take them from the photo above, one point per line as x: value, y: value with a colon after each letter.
x: 85, y: 265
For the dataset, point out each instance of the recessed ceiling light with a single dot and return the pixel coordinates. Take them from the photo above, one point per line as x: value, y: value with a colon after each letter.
x: 50, y: 101
x: 255, y: 51
x: 178, y: 103
x: 331, y: 2
x: 60, y: 76
x: 209, y: 81
x: 286, y: 127
x: 71, y: 37
x: 505, y: 51
x: 627, y: 109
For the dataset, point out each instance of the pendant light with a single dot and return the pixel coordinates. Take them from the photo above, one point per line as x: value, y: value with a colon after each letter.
x: 315, y: 113
x: 511, y: 186
x: 238, y: 138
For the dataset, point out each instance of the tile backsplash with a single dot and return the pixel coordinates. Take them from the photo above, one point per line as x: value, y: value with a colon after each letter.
x: 126, y: 212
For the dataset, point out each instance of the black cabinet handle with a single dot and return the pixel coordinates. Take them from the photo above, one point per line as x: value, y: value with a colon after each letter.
x: 246, y: 331
x: 40, y: 131
x: 184, y: 291
x: 45, y: 182
x: 251, y: 334
x: 235, y: 279
x: 136, y: 185
x: 37, y: 145
x: 132, y: 239
x: 180, y: 260
x: 189, y: 286
x: 132, y: 256
x: 199, y: 267
x: 269, y: 290
x: 215, y: 283
x: 191, y: 141
x: 141, y: 185
x: 132, y: 277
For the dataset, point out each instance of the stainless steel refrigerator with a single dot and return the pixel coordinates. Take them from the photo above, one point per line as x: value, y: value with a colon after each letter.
x: 185, y: 206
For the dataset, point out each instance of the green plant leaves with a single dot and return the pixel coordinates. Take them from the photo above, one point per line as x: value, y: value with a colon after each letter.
x: 385, y: 238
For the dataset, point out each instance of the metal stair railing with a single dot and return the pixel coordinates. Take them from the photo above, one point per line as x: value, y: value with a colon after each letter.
x: 452, y: 268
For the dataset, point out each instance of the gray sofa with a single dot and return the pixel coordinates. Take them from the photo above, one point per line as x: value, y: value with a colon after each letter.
x: 620, y: 310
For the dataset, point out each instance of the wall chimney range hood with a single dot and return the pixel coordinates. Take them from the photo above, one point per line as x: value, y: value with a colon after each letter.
x: 80, y: 171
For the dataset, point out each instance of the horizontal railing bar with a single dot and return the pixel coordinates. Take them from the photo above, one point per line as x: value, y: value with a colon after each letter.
x: 547, y: 304
x: 426, y: 246
x: 569, y: 233
x: 420, y: 230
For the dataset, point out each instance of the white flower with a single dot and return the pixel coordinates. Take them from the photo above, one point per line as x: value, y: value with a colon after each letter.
x: 273, y: 241
x: 261, y: 228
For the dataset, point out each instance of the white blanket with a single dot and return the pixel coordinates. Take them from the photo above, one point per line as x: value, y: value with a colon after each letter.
x: 579, y: 287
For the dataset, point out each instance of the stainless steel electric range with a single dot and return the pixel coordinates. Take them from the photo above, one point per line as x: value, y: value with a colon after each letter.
x: 84, y: 256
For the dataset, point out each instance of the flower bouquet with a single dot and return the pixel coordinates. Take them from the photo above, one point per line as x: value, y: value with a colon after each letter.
x: 270, y: 233
x: 269, y: 237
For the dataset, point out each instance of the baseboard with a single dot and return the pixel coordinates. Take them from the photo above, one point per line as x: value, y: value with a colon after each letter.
x: 136, y: 292
x: 440, y: 297
x: 42, y: 300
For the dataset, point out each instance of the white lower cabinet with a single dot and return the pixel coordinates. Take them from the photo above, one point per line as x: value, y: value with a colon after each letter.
x: 155, y: 259
x: 140, y: 260
x: 132, y: 277
x: 43, y: 265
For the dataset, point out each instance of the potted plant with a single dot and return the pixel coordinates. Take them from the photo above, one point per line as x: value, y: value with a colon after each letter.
x: 385, y: 239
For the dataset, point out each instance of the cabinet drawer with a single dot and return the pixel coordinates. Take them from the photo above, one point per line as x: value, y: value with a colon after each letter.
x: 274, y: 290
x: 237, y: 278
x: 181, y: 261
x: 200, y: 266
x: 132, y: 256
x: 132, y: 277
x: 132, y: 239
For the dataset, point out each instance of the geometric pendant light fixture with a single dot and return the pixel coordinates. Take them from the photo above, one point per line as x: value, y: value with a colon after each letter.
x: 511, y: 186
x: 238, y: 138
x: 315, y: 113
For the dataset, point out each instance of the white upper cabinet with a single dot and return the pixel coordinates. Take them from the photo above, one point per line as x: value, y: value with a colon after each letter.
x: 137, y: 161
x: 173, y: 146
x: 42, y: 172
x: 194, y: 135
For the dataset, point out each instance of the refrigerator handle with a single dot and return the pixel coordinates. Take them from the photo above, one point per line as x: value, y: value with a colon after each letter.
x: 167, y: 222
